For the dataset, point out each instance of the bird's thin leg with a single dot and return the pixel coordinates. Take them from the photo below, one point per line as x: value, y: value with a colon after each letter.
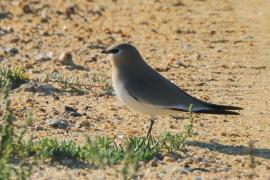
x: 148, y: 137
x: 150, y: 128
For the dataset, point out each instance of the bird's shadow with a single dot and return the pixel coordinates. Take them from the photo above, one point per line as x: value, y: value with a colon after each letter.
x: 232, y: 150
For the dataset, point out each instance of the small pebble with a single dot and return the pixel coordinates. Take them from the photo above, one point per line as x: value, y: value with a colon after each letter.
x: 5, y: 30
x: 37, y: 87
x: 179, y: 63
x: 87, y: 108
x: 169, y: 159
x: 198, y: 178
x: 38, y: 128
x: 44, y: 16
x: 93, y: 58
x: 66, y: 59
x: 72, y: 111
x: 71, y: 10
x: 141, y: 163
x: 163, y: 69
x: 57, y: 123
x: 44, y: 56
x: 77, y: 127
x: 187, y: 46
x: 11, y: 51
x: 56, y: 112
x: 172, y: 126
x: 28, y: 65
x: 154, y: 162
x: 75, y: 114
x: 27, y: 9
x: 45, y: 88
x: 28, y: 87
x: 120, y: 136
x: 184, y: 171
x: 84, y: 123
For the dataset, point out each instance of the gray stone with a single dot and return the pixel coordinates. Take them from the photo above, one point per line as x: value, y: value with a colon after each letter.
x: 198, y: 178
x: 45, y: 88
x: 57, y: 123
x: 185, y: 171
x: 38, y: 128
x: 5, y: 30
x: 44, y: 17
x: 84, y: 123
x: 66, y: 59
x: 75, y: 114
x: 11, y: 51
x: 44, y: 56
x: 72, y: 111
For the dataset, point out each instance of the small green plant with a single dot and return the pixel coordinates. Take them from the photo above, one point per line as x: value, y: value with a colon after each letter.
x: 7, y: 139
x: 77, y: 84
x: 174, y: 142
x: 190, y: 126
x: 16, y: 76
x: 102, y: 151
x: 6, y: 136
x: 130, y: 164
x: 65, y: 82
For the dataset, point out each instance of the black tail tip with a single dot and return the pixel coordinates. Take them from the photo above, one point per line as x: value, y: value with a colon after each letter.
x: 218, y: 112
x: 233, y: 108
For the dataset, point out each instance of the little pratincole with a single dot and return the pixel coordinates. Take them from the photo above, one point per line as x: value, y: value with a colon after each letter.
x: 143, y: 89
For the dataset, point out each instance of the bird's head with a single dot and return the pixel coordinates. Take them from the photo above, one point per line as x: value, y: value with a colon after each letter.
x: 123, y: 55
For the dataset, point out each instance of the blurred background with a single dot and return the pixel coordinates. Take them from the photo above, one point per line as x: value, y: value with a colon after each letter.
x: 218, y: 51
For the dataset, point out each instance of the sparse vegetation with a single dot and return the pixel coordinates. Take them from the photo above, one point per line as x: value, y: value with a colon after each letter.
x: 217, y: 51
x: 8, y: 139
x: 16, y: 76
x: 76, y: 83
x: 101, y: 151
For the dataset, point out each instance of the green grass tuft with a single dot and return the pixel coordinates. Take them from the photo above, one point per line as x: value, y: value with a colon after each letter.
x: 7, y: 139
x: 16, y: 76
x: 76, y: 84
x: 105, y: 151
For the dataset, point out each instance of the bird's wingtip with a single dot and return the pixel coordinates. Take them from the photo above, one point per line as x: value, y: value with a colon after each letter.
x: 218, y: 112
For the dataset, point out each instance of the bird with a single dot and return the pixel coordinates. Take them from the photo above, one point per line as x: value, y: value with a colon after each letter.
x: 141, y: 88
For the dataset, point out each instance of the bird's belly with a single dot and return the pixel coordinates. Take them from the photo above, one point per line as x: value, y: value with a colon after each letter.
x: 124, y: 96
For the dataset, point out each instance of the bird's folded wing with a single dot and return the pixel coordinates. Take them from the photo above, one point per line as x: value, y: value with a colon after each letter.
x: 160, y: 92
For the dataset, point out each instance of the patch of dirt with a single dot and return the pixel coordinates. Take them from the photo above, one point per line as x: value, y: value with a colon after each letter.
x: 215, y: 50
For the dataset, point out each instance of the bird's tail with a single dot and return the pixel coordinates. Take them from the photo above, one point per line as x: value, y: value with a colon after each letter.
x: 219, y: 109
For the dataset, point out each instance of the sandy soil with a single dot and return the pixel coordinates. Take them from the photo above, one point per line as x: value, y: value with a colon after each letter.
x: 218, y: 51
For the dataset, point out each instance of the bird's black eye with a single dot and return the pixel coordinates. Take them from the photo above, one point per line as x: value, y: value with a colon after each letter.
x: 114, y: 51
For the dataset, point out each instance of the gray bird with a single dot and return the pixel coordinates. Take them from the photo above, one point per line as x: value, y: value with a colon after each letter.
x: 143, y: 89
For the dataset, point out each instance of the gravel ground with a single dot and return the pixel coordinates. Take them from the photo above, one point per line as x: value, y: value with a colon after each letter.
x: 216, y: 50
